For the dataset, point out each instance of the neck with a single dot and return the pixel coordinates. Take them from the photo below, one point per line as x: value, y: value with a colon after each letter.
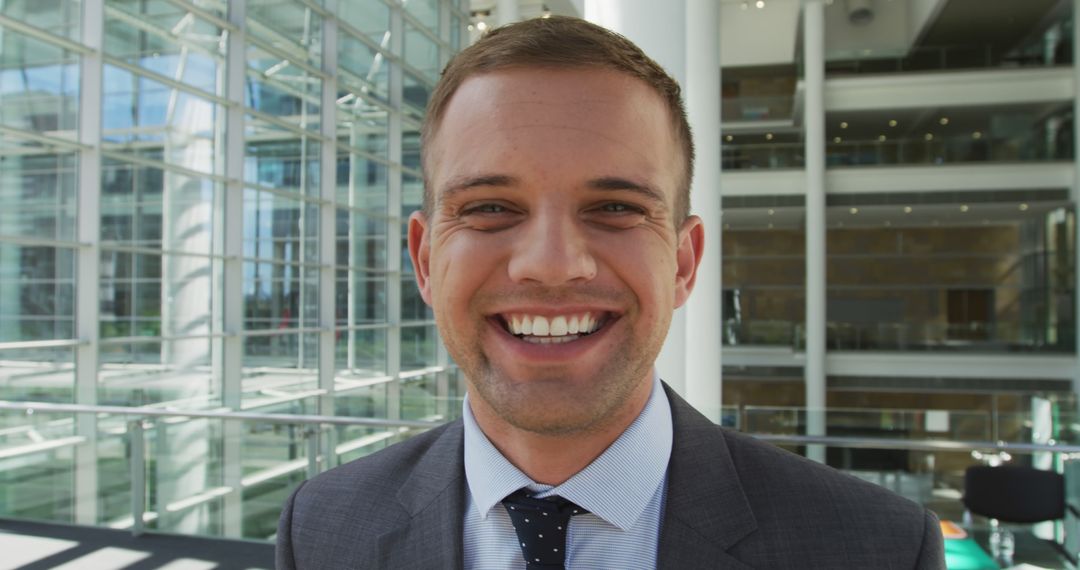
x: 552, y: 459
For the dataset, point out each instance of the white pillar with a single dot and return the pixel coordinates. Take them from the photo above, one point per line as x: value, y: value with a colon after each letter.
x: 88, y: 260
x: 1075, y: 194
x: 682, y: 36
x: 507, y: 12
x: 814, y: 105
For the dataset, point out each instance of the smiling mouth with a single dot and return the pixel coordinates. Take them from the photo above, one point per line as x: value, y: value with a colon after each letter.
x: 540, y: 329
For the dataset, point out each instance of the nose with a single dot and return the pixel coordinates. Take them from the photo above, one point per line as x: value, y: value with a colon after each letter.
x: 552, y: 249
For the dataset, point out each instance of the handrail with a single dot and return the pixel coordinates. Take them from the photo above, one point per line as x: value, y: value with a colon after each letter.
x: 782, y: 439
x: 915, y: 444
x: 44, y: 407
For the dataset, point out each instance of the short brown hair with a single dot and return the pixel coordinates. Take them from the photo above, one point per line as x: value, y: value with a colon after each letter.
x: 560, y: 42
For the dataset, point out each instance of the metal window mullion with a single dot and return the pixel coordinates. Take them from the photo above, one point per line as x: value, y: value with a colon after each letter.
x: 37, y: 33
x: 327, y: 236
x: 232, y: 283
x: 88, y: 277
x: 393, y: 228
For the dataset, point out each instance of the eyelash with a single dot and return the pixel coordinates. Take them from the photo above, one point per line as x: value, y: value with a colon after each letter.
x: 621, y: 208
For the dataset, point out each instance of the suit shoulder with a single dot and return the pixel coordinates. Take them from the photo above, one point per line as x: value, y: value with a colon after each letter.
x: 764, y: 467
x: 834, y: 518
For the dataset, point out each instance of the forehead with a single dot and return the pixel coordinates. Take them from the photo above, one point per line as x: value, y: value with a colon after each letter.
x: 559, y: 121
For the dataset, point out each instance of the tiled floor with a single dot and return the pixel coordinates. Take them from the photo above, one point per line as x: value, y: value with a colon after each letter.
x: 40, y: 546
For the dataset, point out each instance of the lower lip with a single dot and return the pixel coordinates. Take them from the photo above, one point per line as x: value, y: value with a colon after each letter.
x: 531, y: 351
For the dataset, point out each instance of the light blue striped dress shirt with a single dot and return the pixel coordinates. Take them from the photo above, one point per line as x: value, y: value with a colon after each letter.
x: 623, y: 490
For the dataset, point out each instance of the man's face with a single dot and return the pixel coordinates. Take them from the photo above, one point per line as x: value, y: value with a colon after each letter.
x: 551, y: 258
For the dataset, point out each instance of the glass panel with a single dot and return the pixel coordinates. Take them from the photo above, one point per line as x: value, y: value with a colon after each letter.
x: 59, y: 17
x: 39, y: 374
x: 143, y: 206
x: 37, y: 293
x: 361, y: 298
x: 362, y: 69
x: 37, y: 485
x: 176, y: 372
x: 362, y: 183
x: 425, y: 11
x: 285, y: 91
x: 280, y: 228
x: 361, y: 124
x: 421, y: 52
x: 157, y: 295
x: 416, y: 93
x: 413, y: 307
x: 277, y: 367
x: 420, y: 398
x: 280, y: 296
x: 369, y: 17
x: 360, y: 354
x: 278, y: 158
x: 39, y: 86
x: 152, y: 120
x: 38, y: 193
x: 361, y: 241
x: 288, y: 26
x: 418, y: 347
x: 168, y: 40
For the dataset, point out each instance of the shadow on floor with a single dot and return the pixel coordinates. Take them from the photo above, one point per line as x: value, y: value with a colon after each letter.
x: 40, y: 546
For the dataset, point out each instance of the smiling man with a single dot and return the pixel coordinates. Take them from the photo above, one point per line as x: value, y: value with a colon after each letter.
x: 554, y: 244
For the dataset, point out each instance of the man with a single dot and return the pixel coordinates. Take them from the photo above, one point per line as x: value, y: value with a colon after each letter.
x: 554, y: 244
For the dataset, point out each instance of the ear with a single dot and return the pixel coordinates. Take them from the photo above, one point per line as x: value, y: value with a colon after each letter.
x: 420, y: 253
x: 691, y: 245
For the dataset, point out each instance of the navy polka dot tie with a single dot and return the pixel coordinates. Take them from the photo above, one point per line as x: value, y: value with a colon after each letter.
x: 541, y: 527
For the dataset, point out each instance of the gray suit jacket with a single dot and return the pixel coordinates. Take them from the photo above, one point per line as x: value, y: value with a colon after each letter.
x: 732, y: 502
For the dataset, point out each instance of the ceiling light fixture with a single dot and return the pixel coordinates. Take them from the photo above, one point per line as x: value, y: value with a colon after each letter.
x: 907, y: 209
x: 943, y: 121
x: 1023, y: 207
x: 481, y: 26
x: 771, y: 211
x: 843, y: 124
x: 881, y: 138
x: 837, y: 140
x: 964, y: 207
x: 854, y: 211
x: 976, y: 135
x: 760, y: 4
x: 768, y: 136
x: 892, y: 122
x: 929, y: 136
x: 729, y: 138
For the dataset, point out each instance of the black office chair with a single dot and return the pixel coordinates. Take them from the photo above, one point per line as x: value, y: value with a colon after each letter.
x: 1015, y: 494
x: 1012, y: 494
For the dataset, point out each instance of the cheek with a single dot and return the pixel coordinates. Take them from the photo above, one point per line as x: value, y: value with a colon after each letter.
x: 461, y: 265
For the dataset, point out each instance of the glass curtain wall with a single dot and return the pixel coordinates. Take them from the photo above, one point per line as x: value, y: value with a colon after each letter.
x: 205, y: 209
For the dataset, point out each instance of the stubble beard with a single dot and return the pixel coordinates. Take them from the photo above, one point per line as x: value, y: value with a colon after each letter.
x: 555, y: 405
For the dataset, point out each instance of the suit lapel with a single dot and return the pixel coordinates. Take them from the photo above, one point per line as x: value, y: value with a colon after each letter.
x: 434, y: 497
x: 706, y: 511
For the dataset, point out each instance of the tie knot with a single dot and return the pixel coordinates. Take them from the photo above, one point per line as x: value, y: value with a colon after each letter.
x: 541, y: 526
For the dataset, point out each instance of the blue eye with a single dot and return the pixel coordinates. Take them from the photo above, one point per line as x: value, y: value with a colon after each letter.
x: 486, y: 209
x: 619, y: 208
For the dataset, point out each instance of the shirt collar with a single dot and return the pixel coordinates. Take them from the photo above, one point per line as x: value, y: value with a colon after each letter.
x: 616, y: 486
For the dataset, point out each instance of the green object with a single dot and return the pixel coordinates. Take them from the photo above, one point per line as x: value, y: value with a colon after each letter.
x: 966, y: 554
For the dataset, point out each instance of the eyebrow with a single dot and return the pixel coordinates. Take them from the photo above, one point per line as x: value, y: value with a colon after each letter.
x: 463, y: 183
x: 612, y: 183
x: 617, y: 183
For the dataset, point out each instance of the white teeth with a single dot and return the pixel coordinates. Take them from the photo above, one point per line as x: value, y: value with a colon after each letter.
x: 558, y: 326
x: 561, y: 326
x: 540, y: 326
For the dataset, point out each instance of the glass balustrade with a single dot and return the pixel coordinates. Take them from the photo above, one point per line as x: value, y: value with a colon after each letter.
x: 226, y: 475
